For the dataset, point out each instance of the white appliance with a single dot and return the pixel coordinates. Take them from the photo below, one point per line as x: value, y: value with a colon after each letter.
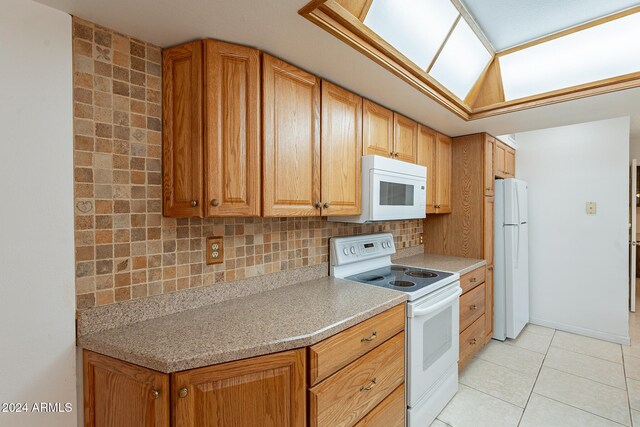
x: 432, y: 325
x: 511, y: 259
x: 391, y: 189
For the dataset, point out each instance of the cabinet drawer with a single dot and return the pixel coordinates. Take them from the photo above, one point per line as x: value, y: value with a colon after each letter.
x: 336, y: 352
x: 344, y: 398
x: 389, y: 413
x: 472, y: 306
x: 472, y: 279
x: 471, y: 340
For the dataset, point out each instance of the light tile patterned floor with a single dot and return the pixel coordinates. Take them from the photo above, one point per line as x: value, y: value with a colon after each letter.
x: 548, y: 378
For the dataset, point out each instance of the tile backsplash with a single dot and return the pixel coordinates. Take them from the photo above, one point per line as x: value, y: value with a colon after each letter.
x: 125, y: 248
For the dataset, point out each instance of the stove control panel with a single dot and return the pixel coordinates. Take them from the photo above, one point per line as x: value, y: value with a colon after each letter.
x: 345, y: 250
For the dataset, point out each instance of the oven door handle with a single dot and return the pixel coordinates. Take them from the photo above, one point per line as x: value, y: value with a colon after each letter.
x: 437, y: 306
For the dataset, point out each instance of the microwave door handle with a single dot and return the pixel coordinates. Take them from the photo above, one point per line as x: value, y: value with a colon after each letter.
x: 436, y: 307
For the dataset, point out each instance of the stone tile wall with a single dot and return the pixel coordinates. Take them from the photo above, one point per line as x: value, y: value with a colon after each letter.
x: 125, y: 248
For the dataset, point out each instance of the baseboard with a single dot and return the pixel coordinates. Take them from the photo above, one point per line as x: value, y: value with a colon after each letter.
x: 618, y: 339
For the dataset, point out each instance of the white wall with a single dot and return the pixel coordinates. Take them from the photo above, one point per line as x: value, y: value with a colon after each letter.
x: 578, y: 263
x: 37, y: 332
x: 634, y: 148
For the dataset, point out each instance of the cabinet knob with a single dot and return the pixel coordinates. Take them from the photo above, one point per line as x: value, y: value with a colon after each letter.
x: 215, y: 202
x: 473, y: 307
x: 490, y: 268
x: 318, y: 205
x: 326, y: 205
x: 194, y: 203
x: 155, y: 393
x: 183, y: 392
x: 391, y: 154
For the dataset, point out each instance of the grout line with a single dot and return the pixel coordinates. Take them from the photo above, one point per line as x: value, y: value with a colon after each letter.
x: 590, y: 355
x: 536, y: 380
x: 579, y: 409
x: 492, y: 396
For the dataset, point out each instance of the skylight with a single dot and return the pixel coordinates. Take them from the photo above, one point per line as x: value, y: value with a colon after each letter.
x: 416, y: 28
x: 604, y: 51
x: 461, y: 61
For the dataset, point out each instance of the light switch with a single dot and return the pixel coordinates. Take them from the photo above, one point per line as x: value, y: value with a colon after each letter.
x: 215, y: 250
x: 591, y: 208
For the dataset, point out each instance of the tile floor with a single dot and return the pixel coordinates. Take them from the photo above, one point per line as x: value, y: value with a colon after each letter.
x: 548, y: 378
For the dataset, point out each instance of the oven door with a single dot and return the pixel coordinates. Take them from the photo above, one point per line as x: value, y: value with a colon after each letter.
x: 397, y: 196
x: 432, y: 344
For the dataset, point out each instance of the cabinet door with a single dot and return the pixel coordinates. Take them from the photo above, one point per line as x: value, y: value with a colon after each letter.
x: 499, y: 160
x: 443, y: 171
x: 489, y: 159
x: 405, y: 138
x: 377, y: 129
x: 120, y: 394
x: 267, y: 391
x: 426, y: 156
x: 488, y: 229
x: 488, y: 303
x: 291, y: 140
x: 510, y: 163
x: 341, y: 173
x: 182, y: 130
x: 232, y: 140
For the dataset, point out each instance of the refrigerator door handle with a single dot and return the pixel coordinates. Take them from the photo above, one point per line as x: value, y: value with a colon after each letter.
x: 517, y: 204
x: 517, y: 248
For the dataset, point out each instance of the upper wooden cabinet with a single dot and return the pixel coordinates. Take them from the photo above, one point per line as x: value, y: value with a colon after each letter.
x: 434, y: 152
x: 291, y: 140
x: 261, y: 391
x: 232, y: 124
x: 505, y: 161
x: 118, y: 393
x: 182, y: 130
x: 377, y: 129
x: 341, y: 159
x: 211, y: 130
x: 405, y: 139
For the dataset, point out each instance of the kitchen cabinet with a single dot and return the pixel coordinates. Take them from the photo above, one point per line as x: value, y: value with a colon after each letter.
x: 261, y: 391
x: 468, y: 230
x: 182, y: 154
x: 118, y: 393
x: 211, y: 130
x: 434, y: 152
x: 341, y: 153
x: 405, y: 138
x: 476, y: 313
x: 377, y: 129
x: 356, y: 377
x: 505, y: 163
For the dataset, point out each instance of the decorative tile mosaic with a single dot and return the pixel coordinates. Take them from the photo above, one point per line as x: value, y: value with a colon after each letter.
x: 125, y: 248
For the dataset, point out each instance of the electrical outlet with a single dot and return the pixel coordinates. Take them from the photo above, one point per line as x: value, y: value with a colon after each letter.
x: 591, y: 208
x: 421, y: 239
x: 215, y: 250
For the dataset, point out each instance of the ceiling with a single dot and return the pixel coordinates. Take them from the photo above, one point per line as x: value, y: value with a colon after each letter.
x: 275, y: 27
x: 508, y: 23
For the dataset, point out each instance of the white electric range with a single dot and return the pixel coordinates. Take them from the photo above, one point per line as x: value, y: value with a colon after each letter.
x: 432, y: 324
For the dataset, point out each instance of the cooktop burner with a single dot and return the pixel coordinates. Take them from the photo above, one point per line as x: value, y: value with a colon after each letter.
x: 401, y: 278
x: 421, y: 274
x: 402, y: 283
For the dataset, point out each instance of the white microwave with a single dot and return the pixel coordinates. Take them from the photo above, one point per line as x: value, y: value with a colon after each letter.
x: 391, y: 190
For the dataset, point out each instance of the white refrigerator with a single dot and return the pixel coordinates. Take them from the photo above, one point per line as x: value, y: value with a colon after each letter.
x: 511, y: 259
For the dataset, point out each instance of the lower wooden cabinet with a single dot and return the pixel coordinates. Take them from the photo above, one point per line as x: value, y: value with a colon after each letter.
x: 120, y: 394
x: 261, y: 391
x: 364, y: 389
x: 476, y: 312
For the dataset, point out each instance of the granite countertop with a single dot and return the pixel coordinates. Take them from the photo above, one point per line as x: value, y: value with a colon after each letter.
x: 442, y: 262
x: 280, y: 319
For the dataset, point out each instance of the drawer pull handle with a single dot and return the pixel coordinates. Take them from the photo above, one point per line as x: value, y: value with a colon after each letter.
x: 369, y: 387
x: 370, y: 337
x: 472, y: 341
x: 473, y: 307
x: 473, y: 280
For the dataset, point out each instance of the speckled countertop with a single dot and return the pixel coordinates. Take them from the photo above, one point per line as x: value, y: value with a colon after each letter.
x: 276, y: 320
x: 442, y: 262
